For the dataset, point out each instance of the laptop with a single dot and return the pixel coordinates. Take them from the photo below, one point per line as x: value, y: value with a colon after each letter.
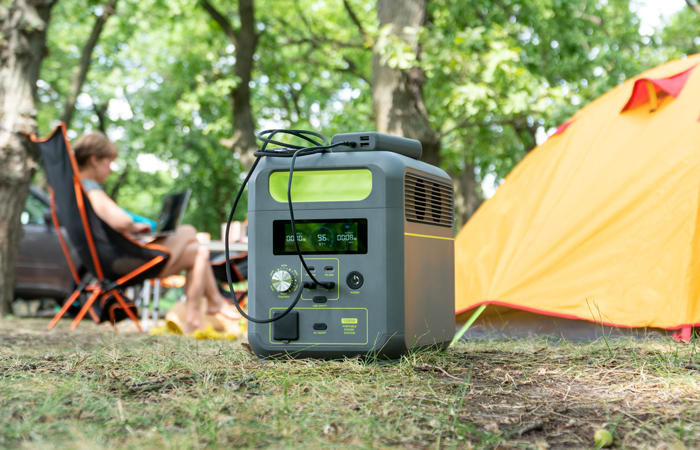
x: 170, y: 216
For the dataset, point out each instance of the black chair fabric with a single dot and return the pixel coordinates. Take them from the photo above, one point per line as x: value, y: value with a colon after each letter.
x: 239, y: 267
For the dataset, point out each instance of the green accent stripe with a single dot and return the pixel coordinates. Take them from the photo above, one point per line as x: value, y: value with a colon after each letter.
x: 350, y: 185
x: 431, y: 237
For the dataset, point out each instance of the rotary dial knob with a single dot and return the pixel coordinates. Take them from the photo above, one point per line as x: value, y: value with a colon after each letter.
x: 282, y: 280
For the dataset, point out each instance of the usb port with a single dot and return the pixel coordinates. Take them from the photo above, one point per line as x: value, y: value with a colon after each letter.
x: 364, y: 144
x: 329, y: 268
x: 312, y: 269
x: 364, y: 138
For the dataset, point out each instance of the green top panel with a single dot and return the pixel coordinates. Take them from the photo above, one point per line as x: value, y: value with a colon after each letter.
x: 322, y: 185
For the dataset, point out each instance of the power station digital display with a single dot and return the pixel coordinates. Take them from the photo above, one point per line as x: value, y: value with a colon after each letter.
x: 329, y: 237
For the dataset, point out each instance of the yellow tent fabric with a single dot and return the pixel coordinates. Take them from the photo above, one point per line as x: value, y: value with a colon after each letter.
x: 604, y: 216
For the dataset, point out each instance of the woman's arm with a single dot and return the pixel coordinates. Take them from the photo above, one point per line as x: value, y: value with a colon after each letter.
x: 107, y: 210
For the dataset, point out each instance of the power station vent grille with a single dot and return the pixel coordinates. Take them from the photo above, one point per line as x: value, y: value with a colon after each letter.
x: 427, y: 201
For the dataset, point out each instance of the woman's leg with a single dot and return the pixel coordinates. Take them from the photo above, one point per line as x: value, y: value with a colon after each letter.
x: 194, y: 290
x: 182, y: 250
x: 187, y: 254
x: 183, y: 247
x: 216, y: 303
x: 201, y: 282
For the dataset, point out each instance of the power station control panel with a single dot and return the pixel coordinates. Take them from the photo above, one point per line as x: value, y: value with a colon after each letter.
x: 334, y: 250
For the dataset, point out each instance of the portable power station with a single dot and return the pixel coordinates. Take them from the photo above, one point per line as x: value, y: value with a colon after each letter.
x: 377, y: 224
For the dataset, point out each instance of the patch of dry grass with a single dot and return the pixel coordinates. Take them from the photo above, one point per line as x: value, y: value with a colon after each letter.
x: 100, y: 389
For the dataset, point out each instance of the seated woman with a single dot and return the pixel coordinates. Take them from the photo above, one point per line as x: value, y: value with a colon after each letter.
x: 94, y: 153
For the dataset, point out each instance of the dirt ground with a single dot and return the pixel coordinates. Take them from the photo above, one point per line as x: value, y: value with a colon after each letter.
x: 532, y: 393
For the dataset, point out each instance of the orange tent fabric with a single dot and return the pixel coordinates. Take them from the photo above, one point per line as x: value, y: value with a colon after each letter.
x: 602, y: 221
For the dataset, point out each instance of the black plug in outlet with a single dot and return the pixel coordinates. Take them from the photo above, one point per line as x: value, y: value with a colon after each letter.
x: 287, y: 328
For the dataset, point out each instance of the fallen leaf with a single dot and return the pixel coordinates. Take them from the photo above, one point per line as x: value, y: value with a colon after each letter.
x: 491, y: 427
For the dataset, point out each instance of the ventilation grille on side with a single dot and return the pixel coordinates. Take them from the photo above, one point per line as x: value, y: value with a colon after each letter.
x: 427, y: 201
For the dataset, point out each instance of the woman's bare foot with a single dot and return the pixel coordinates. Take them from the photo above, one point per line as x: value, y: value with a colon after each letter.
x: 225, y: 310
x: 191, y: 325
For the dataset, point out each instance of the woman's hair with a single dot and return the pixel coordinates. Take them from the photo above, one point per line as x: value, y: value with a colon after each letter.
x: 95, y: 143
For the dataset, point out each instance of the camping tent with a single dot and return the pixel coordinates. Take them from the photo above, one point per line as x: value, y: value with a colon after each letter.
x: 601, y: 223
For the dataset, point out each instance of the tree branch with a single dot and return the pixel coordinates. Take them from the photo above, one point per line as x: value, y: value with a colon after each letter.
x: 353, y: 70
x: 100, y: 111
x: 523, y: 127
x: 222, y: 21
x: 315, y: 42
x: 369, y: 42
x: 306, y: 22
x: 695, y: 8
x: 467, y: 124
x: 120, y: 182
x: 295, y: 99
x: 85, y: 57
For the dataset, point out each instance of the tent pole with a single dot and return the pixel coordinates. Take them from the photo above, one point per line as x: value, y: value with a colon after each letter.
x: 469, y: 323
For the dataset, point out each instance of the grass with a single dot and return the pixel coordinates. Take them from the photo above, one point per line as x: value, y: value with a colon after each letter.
x: 101, y: 390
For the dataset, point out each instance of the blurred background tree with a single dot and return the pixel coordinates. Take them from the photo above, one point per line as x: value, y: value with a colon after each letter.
x: 182, y: 85
x: 23, y: 28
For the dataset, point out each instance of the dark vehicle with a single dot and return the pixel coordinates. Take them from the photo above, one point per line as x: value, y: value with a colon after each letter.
x: 42, y: 269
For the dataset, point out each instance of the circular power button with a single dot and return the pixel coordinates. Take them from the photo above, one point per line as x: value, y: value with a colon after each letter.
x: 355, y: 280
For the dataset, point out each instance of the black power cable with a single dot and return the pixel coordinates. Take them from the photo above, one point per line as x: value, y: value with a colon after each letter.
x: 288, y: 151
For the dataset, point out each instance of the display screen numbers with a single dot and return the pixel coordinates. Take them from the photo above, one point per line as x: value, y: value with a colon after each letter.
x: 321, y: 237
x: 333, y: 236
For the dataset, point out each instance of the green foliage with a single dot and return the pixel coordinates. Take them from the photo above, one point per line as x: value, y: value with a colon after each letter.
x: 314, y: 70
x: 166, y: 70
x: 500, y: 74
x: 681, y: 35
x: 166, y: 77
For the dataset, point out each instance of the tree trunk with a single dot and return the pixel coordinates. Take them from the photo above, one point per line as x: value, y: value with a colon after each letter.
x: 399, y: 108
x: 244, y: 140
x: 245, y: 40
x: 79, y: 78
x: 23, y: 26
x: 397, y: 95
x: 468, y: 196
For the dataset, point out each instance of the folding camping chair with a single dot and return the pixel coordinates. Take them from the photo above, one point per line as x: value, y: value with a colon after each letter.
x: 114, y: 259
x: 239, y: 272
